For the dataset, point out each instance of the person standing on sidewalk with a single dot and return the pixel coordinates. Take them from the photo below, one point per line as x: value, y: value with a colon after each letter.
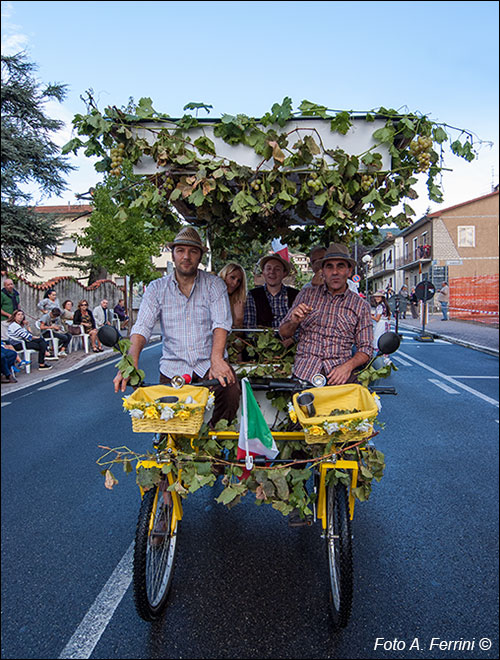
x: 444, y: 298
x: 413, y: 304
x: 10, y: 299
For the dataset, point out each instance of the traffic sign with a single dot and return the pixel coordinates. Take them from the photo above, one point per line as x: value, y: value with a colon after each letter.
x: 425, y: 290
x: 356, y: 278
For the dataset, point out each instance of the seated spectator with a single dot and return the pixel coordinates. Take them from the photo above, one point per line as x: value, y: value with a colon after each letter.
x: 67, y: 315
x: 84, y: 317
x: 52, y: 321
x: 102, y: 315
x: 9, y: 358
x: 236, y: 282
x: 49, y: 301
x: 19, y: 329
x: 121, y: 313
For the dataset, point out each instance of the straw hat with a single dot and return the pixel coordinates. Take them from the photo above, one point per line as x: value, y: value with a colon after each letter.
x: 188, y: 236
x: 380, y: 293
x: 338, y: 251
x: 277, y: 257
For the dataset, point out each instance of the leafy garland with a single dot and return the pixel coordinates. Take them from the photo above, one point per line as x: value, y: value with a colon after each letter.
x: 333, y: 193
x: 283, y: 486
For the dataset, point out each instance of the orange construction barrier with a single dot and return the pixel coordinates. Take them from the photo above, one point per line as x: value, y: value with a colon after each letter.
x: 474, y: 298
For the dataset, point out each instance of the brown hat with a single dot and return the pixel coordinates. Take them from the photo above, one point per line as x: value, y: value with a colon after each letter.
x: 277, y: 257
x: 381, y: 293
x: 188, y: 236
x: 338, y: 251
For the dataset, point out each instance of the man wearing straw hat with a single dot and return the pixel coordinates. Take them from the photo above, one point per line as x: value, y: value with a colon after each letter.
x: 193, y: 309
x: 330, y: 320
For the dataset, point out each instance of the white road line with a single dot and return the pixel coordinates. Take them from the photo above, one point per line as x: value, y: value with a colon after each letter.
x: 444, y: 387
x: 94, y: 623
x: 99, y: 366
x: 399, y: 360
x: 475, y: 377
x: 452, y: 380
x: 58, y: 382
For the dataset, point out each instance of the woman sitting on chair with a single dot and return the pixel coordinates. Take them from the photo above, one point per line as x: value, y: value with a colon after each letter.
x: 83, y: 316
x: 19, y: 329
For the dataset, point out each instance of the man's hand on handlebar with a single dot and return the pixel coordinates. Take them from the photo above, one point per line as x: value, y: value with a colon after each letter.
x: 221, y: 370
x: 339, y: 375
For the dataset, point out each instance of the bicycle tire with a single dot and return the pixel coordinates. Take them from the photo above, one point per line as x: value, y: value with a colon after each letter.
x: 339, y: 552
x: 154, y: 555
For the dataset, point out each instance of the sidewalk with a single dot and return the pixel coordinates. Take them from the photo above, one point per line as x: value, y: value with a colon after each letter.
x: 75, y: 360
x: 478, y: 336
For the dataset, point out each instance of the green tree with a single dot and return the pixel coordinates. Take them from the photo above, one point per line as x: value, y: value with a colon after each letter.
x: 29, y: 156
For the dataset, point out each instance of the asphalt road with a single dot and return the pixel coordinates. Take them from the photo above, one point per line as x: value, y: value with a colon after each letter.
x: 245, y: 584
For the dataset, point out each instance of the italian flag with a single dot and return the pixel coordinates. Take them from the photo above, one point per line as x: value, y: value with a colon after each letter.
x: 255, y: 437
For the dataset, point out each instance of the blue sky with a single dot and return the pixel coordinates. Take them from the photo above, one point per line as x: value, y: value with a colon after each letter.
x: 438, y: 58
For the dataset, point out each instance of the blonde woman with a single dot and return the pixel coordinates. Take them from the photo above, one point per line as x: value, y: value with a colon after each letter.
x: 236, y: 282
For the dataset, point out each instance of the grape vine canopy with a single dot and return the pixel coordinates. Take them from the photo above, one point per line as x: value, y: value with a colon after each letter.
x: 303, y: 184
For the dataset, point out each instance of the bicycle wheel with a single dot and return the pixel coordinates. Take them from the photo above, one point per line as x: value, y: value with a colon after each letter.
x: 339, y: 551
x: 154, y: 553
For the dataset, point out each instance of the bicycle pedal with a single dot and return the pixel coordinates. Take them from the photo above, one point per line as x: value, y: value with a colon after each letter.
x: 300, y: 522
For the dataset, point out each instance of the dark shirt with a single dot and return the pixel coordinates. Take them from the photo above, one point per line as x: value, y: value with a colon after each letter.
x: 80, y: 318
x: 119, y: 310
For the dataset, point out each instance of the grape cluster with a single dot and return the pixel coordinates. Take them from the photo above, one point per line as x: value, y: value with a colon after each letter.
x: 314, y: 183
x: 117, y: 154
x: 367, y: 182
x: 169, y: 184
x: 420, y: 148
x: 256, y: 184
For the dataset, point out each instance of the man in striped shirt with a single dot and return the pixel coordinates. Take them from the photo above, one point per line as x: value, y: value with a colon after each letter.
x: 330, y: 319
x: 193, y: 309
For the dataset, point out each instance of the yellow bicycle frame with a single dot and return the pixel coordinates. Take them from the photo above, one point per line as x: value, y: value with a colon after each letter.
x: 176, y: 499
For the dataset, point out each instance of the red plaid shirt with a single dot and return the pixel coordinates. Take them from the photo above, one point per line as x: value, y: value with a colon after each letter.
x: 327, y: 335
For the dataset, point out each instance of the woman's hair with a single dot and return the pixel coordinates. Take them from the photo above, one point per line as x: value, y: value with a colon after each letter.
x: 374, y: 303
x: 48, y: 292
x: 82, y: 302
x: 240, y: 295
x: 66, y: 301
x: 12, y: 317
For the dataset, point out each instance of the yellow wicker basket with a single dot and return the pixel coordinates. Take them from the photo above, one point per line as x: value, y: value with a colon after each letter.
x: 327, y: 399
x: 189, y: 426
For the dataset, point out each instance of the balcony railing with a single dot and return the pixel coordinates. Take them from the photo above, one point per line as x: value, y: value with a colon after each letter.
x: 421, y: 253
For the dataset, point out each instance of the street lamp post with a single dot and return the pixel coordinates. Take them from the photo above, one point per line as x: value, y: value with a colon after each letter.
x: 367, y: 260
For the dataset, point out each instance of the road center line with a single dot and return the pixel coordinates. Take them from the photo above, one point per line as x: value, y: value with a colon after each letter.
x: 443, y: 386
x: 58, y: 382
x: 94, y: 623
x: 452, y: 380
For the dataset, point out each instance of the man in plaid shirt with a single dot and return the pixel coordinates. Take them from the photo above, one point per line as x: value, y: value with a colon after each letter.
x: 267, y: 305
x: 330, y: 319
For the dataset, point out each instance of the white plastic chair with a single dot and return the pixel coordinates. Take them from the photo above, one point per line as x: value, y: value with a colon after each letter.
x: 82, y: 337
x: 24, y: 353
x: 49, y: 338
